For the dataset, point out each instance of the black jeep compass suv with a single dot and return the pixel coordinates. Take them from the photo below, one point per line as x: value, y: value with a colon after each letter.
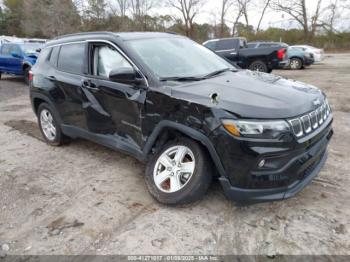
x: 185, y: 111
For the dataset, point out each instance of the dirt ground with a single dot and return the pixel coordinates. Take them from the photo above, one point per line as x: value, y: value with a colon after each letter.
x: 86, y: 199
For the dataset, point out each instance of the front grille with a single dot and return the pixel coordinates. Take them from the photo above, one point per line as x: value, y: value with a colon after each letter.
x: 308, y: 123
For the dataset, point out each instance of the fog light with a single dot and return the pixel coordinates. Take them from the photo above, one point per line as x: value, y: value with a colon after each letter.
x: 261, y: 163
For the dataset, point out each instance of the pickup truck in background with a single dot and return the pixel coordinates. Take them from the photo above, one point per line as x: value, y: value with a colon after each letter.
x: 18, y: 58
x: 236, y: 51
x: 298, y: 58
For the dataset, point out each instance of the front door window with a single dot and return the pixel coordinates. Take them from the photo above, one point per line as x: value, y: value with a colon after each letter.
x: 107, y: 59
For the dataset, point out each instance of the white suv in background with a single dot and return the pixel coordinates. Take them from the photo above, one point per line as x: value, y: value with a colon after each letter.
x: 318, y: 53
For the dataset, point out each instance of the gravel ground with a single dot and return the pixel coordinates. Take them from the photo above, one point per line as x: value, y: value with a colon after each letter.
x: 86, y: 199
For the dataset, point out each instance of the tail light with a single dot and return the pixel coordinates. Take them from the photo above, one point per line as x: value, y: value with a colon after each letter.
x: 30, y: 75
x: 281, y: 53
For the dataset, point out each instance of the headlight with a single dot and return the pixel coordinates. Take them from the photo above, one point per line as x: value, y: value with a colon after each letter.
x: 256, y: 129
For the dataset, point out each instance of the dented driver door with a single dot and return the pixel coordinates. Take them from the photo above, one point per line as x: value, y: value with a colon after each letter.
x: 112, y: 108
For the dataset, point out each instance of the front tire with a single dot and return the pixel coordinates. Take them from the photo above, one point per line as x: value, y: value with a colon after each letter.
x: 49, y: 125
x: 258, y: 66
x: 180, y: 173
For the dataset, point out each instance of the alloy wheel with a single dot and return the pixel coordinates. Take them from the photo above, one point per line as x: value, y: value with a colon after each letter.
x: 47, y: 124
x: 295, y: 64
x: 174, y: 169
x: 259, y: 68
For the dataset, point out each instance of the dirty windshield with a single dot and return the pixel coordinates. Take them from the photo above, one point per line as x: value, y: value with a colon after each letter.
x: 178, y: 57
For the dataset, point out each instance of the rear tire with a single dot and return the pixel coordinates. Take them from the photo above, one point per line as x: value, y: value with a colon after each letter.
x: 180, y: 173
x: 26, y: 75
x: 258, y: 66
x: 50, y: 126
x: 296, y: 64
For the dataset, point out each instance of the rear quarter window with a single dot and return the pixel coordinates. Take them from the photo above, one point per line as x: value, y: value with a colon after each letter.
x: 54, y: 56
x: 43, y: 56
x: 71, y: 58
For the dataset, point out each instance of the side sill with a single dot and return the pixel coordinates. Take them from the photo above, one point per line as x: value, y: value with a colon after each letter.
x: 110, y: 141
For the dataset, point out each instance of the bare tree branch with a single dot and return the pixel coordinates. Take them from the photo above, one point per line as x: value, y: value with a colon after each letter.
x: 266, y: 5
x: 189, y: 9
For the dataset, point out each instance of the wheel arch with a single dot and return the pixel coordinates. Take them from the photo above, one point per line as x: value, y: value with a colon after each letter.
x: 297, y: 57
x: 26, y: 65
x: 165, y: 127
x: 38, y: 99
x: 262, y: 59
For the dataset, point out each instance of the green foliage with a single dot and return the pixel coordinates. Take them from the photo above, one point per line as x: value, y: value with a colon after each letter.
x: 243, y: 30
x: 13, y: 16
x: 3, y: 22
x: 296, y: 36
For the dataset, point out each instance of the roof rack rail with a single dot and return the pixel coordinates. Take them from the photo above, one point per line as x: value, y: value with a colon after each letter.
x: 82, y: 34
x: 171, y: 32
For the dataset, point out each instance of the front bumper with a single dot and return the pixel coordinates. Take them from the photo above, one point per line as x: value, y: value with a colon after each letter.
x: 288, y: 170
x: 284, y: 63
x: 309, y: 61
x: 250, y: 196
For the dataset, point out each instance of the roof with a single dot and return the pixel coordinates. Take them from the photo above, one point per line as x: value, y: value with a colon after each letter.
x: 22, y: 43
x: 123, y: 36
x: 226, y: 38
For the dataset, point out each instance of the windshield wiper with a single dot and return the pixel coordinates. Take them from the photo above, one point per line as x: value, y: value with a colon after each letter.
x: 196, y: 78
x: 218, y: 72
x: 181, y: 78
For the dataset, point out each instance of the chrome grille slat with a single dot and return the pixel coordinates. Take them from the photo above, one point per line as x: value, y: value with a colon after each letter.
x: 296, y: 126
x: 306, y: 123
x: 310, y: 122
x: 313, y: 118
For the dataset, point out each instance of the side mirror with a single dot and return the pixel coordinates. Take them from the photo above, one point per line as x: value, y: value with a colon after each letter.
x: 16, y: 55
x: 125, y: 75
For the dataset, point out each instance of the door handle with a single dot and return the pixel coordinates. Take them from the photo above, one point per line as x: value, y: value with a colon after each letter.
x: 51, y: 78
x: 92, y: 88
x: 89, y: 85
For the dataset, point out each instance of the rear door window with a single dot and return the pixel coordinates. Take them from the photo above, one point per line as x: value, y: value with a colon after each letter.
x: 225, y: 44
x: 71, y: 58
x: 265, y: 45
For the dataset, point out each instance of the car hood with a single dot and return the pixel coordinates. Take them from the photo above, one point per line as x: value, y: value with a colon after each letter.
x: 252, y: 94
x: 31, y: 59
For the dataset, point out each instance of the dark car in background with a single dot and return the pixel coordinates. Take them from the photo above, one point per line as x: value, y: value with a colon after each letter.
x: 18, y: 58
x: 236, y: 51
x: 298, y: 58
x: 185, y: 111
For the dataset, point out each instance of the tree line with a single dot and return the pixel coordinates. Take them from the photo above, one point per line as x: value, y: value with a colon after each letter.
x: 49, y: 18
